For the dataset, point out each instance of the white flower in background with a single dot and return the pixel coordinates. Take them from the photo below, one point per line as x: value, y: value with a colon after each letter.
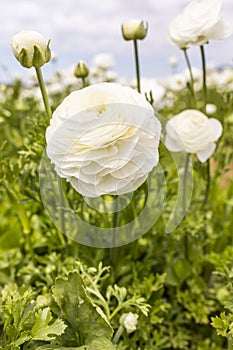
x: 150, y: 85
x: 198, y: 23
x: 173, y: 61
x: 129, y: 321
x: 104, y: 139
x: 193, y: 132
x: 211, y: 108
x: 30, y: 48
x: 197, y: 77
x: 104, y: 61
x: 177, y: 82
x: 222, y: 80
x: 134, y: 29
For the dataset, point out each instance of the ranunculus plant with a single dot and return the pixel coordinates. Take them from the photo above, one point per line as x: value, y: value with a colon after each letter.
x: 104, y: 139
x: 193, y: 132
x: 134, y: 29
x: 31, y: 49
x: 198, y: 23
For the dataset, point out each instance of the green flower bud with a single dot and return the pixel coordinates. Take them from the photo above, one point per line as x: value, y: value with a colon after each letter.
x: 30, y: 49
x: 81, y: 70
x: 134, y: 29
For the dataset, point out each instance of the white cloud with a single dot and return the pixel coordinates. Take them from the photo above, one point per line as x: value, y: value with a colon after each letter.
x: 82, y: 28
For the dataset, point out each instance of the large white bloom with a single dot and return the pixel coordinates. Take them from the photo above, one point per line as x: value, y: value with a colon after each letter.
x: 198, y: 23
x: 193, y: 132
x: 104, y: 139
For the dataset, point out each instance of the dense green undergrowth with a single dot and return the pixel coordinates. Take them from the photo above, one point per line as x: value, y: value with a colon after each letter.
x: 58, y: 294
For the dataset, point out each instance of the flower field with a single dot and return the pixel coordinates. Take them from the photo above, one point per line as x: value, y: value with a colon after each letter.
x: 117, y: 199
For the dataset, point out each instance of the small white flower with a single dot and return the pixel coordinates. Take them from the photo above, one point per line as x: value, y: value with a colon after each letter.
x: 211, y: 108
x: 30, y: 48
x: 129, y: 321
x: 104, y: 139
x: 198, y: 23
x: 134, y: 29
x: 193, y: 132
x: 173, y: 61
x: 150, y: 85
x: 104, y: 61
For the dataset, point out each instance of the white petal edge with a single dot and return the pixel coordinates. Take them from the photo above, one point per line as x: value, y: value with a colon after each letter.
x: 207, y: 153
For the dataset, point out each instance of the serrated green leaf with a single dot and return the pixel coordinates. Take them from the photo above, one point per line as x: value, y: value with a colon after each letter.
x: 43, y: 329
x: 70, y: 295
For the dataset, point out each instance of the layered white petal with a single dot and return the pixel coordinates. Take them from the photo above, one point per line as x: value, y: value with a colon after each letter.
x: 104, y: 139
x: 193, y: 132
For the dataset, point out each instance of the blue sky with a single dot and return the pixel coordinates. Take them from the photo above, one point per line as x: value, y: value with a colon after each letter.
x: 79, y: 29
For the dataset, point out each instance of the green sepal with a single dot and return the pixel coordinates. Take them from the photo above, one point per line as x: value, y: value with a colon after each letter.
x: 24, y: 59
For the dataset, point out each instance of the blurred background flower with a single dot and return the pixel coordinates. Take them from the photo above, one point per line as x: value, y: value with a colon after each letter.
x: 94, y: 28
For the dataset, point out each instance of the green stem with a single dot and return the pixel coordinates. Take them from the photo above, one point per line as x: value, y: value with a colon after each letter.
x: 84, y: 82
x: 204, y: 91
x: 62, y: 228
x: 190, y: 72
x: 30, y: 247
x: 204, y: 88
x: 208, y: 181
x: 118, y: 334
x: 137, y: 64
x: 185, y: 181
x: 184, y: 201
x: 43, y: 92
x: 114, y: 226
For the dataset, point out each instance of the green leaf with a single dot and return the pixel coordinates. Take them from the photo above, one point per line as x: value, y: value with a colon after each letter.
x: 221, y: 324
x: 43, y: 330
x: 70, y: 295
x: 96, y: 344
x: 52, y: 347
x: 100, y: 344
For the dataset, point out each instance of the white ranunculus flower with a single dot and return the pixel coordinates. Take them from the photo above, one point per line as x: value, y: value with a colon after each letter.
x: 104, y: 139
x: 150, y: 85
x: 104, y: 61
x: 129, y: 321
x: 193, y: 132
x: 134, y: 29
x: 30, y: 48
x: 198, y: 23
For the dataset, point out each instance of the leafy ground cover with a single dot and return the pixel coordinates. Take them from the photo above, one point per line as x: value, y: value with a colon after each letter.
x: 58, y: 294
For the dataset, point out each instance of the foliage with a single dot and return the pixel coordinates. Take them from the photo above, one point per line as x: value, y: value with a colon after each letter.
x: 57, y: 294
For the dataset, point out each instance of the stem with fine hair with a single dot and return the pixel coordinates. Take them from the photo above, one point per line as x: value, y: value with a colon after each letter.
x: 43, y: 92
x: 204, y: 88
x: 137, y: 64
x: 190, y: 72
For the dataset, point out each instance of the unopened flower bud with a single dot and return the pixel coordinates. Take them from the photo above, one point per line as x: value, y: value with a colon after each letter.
x: 129, y: 321
x: 30, y: 48
x: 134, y: 29
x: 81, y: 70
